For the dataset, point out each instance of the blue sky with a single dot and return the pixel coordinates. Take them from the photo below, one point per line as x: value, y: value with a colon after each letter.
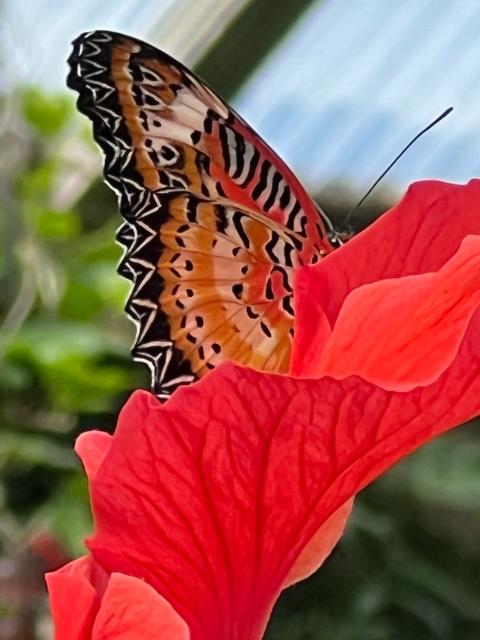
x: 338, y: 98
x: 357, y: 80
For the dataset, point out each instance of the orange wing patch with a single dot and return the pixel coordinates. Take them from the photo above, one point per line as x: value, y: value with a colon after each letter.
x: 227, y: 292
x: 161, y: 122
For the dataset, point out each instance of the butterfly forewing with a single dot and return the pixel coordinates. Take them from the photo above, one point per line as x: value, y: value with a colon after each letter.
x: 215, y: 220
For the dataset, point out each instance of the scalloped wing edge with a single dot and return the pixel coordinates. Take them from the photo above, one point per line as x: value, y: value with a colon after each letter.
x: 151, y: 346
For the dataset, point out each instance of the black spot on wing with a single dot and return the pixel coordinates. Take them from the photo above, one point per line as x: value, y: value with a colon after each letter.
x: 237, y: 222
x: 273, y: 191
x: 191, y: 209
x: 252, y: 167
x: 287, y: 252
x: 262, y: 180
x: 225, y: 147
x: 237, y: 290
x: 270, y: 246
x: 266, y: 330
x: 269, y: 290
x: 287, y: 305
x: 285, y: 280
x: 239, y: 155
x: 208, y: 125
x: 195, y: 136
x: 293, y: 214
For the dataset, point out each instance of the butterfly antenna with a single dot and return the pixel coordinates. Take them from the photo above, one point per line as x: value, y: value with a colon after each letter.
x: 380, y: 177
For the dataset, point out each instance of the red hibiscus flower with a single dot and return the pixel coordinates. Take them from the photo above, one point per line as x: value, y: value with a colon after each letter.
x: 207, y: 506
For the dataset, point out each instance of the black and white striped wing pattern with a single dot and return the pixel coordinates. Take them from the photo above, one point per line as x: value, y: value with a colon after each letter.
x: 193, y: 179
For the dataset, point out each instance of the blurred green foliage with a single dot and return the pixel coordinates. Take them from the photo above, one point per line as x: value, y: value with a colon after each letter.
x: 64, y: 343
x: 408, y: 566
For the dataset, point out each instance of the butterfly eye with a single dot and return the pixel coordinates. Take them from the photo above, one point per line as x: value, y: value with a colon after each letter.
x: 339, y: 238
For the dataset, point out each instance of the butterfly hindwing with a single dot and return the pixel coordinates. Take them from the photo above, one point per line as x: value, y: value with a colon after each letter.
x: 215, y: 220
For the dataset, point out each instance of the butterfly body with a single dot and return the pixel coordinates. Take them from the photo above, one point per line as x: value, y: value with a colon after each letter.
x: 215, y: 222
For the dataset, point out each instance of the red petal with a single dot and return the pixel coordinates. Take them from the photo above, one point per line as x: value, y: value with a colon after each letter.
x: 212, y: 496
x: 311, y: 331
x: 384, y: 329
x: 73, y: 600
x: 320, y: 546
x: 132, y: 610
x: 91, y: 448
x: 418, y: 235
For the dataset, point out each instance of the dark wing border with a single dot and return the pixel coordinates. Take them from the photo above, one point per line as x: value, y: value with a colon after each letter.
x: 143, y: 210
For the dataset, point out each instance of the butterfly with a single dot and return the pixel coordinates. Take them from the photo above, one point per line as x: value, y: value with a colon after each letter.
x: 215, y: 222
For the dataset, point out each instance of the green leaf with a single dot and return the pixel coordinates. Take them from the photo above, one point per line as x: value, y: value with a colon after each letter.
x: 68, y: 513
x: 18, y: 448
x: 56, y: 225
x: 46, y: 113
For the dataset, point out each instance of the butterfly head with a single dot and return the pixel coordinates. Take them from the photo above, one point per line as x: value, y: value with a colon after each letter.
x: 336, y: 237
